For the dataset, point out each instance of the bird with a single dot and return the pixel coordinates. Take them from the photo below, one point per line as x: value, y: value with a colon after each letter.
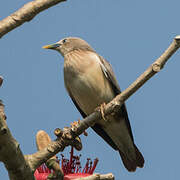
x: 91, y: 82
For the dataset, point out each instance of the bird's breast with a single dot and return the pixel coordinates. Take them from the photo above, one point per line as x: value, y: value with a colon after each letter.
x: 86, y: 82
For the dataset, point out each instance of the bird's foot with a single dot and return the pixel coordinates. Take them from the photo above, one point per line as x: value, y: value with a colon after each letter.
x: 101, y: 109
x: 75, y: 123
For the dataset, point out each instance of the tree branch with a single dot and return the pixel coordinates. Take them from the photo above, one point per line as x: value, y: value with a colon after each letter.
x: 10, y: 153
x: 66, y: 137
x: 25, y: 14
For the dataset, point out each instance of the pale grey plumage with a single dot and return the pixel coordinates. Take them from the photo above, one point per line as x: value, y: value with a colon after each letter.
x: 90, y: 81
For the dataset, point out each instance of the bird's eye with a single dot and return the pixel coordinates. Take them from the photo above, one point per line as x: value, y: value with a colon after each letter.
x: 64, y: 40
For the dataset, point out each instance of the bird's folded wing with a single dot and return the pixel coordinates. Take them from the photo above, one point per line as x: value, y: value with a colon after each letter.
x: 109, y: 74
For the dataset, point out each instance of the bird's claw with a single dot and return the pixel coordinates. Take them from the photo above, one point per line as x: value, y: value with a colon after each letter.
x: 101, y: 109
x: 74, y: 125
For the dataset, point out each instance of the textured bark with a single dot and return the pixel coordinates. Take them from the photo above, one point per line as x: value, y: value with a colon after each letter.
x: 25, y: 14
x: 10, y: 153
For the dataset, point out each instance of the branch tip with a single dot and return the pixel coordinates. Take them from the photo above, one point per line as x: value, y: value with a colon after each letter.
x: 42, y: 139
x: 58, y: 132
x: 177, y: 38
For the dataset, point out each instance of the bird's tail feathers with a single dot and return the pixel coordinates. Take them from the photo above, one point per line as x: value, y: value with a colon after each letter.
x: 131, y: 165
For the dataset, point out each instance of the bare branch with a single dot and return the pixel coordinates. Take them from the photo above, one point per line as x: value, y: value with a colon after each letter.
x: 66, y: 137
x: 25, y: 14
x: 10, y: 153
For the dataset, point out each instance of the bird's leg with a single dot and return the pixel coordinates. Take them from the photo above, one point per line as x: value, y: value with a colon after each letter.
x: 75, y: 123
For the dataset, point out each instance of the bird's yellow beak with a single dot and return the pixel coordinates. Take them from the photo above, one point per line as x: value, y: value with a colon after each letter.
x: 51, y: 46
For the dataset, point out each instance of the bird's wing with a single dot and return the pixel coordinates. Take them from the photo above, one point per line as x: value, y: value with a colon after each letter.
x: 130, y: 163
x: 109, y: 74
x: 75, y: 103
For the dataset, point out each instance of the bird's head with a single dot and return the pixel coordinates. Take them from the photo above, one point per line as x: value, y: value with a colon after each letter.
x: 69, y: 44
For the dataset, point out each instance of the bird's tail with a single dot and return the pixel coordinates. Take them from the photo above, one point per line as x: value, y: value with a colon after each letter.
x: 131, y: 165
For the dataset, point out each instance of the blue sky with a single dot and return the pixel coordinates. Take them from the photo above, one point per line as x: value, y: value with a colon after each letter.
x: 130, y: 35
